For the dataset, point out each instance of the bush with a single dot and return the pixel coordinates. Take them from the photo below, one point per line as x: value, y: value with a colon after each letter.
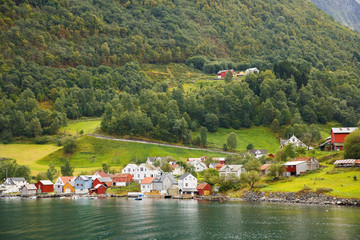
x: 323, y: 190
x: 69, y: 144
x: 43, y: 139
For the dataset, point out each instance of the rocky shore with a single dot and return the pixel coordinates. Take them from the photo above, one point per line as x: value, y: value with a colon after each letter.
x: 299, y: 198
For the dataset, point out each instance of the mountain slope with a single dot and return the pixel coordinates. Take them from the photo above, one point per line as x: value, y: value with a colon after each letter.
x: 346, y: 12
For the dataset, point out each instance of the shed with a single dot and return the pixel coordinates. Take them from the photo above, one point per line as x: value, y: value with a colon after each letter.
x: 69, y: 187
x: 28, y: 189
x: 102, y: 180
x: 204, y: 189
x: 295, y: 168
x: 345, y: 163
x: 44, y: 186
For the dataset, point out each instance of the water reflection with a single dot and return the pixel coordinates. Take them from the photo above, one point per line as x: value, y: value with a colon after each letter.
x: 172, y: 219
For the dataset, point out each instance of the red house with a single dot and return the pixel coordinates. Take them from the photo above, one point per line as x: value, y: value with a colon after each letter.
x: 122, y: 179
x: 222, y: 73
x: 105, y: 181
x: 44, y: 186
x: 98, y: 189
x: 338, y: 136
x: 204, y: 189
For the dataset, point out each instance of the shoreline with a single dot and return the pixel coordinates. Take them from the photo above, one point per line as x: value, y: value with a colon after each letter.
x: 292, y: 198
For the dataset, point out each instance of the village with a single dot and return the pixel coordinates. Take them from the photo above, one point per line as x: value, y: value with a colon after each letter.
x: 180, y: 181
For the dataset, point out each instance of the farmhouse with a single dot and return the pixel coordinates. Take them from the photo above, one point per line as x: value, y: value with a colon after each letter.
x: 228, y: 170
x: 204, y: 189
x: 60, y: 183
x: 187, y: 184
x: 258, y: 153
x: 44, y: 186
x: 122, y: 179
x: 222, y: 73
x: 293, y: 140
x: 295, y: 168
x: 338, y: 136
x: 28, y: 189
x: 199, y: 166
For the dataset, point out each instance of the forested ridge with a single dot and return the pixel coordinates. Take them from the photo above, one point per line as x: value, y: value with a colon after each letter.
x: 68, y: 59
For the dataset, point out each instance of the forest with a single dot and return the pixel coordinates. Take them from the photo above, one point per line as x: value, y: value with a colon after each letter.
x: 69, y: 59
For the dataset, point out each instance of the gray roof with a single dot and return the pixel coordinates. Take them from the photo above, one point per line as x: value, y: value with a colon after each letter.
x: 184, y: 176
x: 262, y: 151
x: 159, y: 179
x: 189, y: 190
x: 46, y: 182
x: 344, y: 130
x: 213, y: 165
x: 30, y: 187
x: 105, y: 179
x: 233, y: 168
x: 19, y: 179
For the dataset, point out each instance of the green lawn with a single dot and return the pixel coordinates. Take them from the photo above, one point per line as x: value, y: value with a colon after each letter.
x: 28, y: 154
x: 342, y: 183
x: 260, y: 137
x: 326, y: 128
x: 92, y: 152
x: 88, y: 126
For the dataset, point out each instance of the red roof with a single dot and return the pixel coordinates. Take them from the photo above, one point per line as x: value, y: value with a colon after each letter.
x: 147, y: 180
x: 357, y: 161
x: 302, y: 159
x: 173, y: 166
x: 202, y: 185
x: 121, y: 177
x: 265, y: 166
x: 102, y: 174
x: 218, y: 166
x: 66, y: 179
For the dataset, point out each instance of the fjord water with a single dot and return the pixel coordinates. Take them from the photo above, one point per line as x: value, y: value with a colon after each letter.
x: 172, y: 219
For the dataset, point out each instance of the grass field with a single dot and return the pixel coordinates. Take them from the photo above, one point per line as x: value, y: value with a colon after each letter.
x: 260, y: 137
x: 28, y: 154
x: 92, y: 152
x: 342, y: 183
x: 88, y: 126
x: 326, y: 128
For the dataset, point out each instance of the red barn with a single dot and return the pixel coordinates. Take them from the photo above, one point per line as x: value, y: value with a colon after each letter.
x: 204, y: 189
x: 44, y: 186
x: 98, y: 189
x: 122, y: 179
x: 222, y: 73
x: 338, y: 136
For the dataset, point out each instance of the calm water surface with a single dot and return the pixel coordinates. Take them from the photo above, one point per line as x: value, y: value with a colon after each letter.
x: 172, y: 219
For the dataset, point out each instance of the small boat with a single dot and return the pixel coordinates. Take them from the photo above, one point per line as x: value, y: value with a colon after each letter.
x: 33, y: 197
x: 75, y: 197
x: 140, y: 197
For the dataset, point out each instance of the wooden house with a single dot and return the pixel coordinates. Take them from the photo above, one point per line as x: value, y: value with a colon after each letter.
x: 187, y: 184
x: 204, y: 189
x: 102, y: 180
x: 44, y: 186
x: 222, y: 73
x: 98, y: 189
x: 83, y: 183
x: 69, y: 187
x: 264, y: 169
x: 60, y: 183
x: 146, y: 184
x: 122, y: 179
x: 228, y: 170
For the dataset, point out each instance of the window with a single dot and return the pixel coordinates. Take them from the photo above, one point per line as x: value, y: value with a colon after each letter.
x: 186, y: 184
x: 141, y: 169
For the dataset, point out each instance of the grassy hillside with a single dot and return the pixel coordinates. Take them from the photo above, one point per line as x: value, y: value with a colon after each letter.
x: 260, y: 137
x: 340, y: 181
x: 88, y: 126
x: 92, y: 152
x: 28, y: 154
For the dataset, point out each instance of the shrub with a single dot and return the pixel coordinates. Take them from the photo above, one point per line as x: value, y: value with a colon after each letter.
x: 323, y: 190
x: 69, y: 144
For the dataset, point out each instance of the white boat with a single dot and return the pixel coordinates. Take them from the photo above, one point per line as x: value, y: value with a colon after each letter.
x: 33, y: 197
x: 75, y: 197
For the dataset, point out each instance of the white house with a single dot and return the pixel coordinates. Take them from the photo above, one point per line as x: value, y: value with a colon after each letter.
x: 258, y: 153
x: 146, y: 184
x: 251, y: 70
x: 229, y: 170
x: 130, y: 168
x: 60, y: 183
x: 293, y: 140
x: 199, y: 165
x: 177, y: 170
x: 28, y: 189
x: 187, y: 184
x: 162, y: 183
x: 14, y: 184
x: 145, y: 170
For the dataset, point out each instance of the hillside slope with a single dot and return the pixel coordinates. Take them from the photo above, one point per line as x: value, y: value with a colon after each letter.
x: 346, y: 12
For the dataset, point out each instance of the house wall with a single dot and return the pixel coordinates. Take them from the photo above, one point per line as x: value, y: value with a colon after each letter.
x: 206, y: 190
x: 146, y: 187
x: 69, y: 187
x: 44, y: 188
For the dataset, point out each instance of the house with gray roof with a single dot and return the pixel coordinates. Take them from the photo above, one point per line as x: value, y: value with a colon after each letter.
x: 162, y: 183
x: 231, y: 170
x: 13, y: 184
x: 187, y: 184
